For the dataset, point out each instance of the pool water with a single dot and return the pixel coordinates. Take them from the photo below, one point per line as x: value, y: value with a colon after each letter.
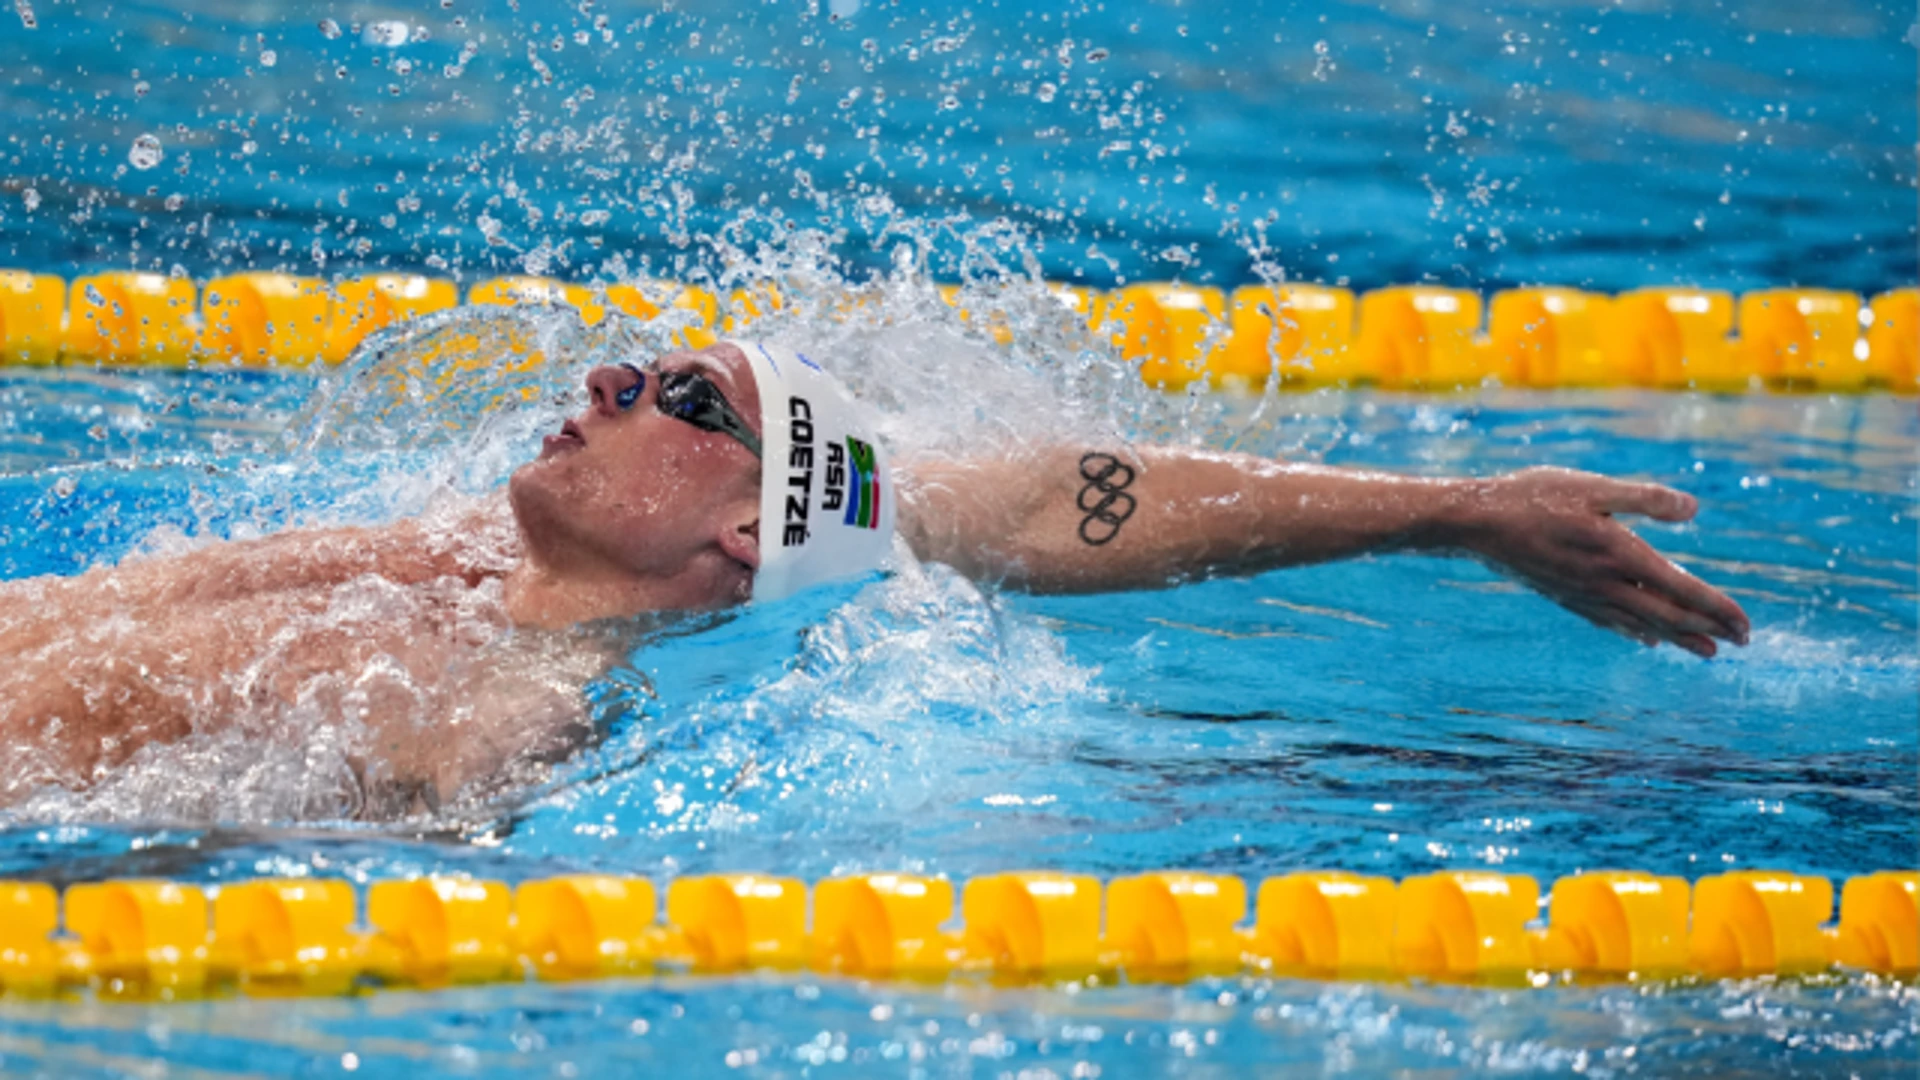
x: 1739, y: 144
x: 1391, y: 715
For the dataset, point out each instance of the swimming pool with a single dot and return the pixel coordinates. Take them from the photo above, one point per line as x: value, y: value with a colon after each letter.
x: 1393, y: 715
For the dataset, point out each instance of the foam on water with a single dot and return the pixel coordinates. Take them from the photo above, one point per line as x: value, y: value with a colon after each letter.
x: 1787, y: 668
x: 901, y: 698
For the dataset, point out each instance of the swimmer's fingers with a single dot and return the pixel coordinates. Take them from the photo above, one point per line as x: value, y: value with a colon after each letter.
x: 1555, y: 529
x: 1625, y: 608
x: 1688, y: 629
x: 1619, y: 620
x: 1611, y: 593
x: 1656, y: 501
x: 1655, y: 573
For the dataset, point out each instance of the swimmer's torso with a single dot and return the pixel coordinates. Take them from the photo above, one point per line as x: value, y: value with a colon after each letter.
x: 395, y: 638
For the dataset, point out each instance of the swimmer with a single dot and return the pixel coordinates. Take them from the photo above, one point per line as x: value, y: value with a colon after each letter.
x: 457, y: 645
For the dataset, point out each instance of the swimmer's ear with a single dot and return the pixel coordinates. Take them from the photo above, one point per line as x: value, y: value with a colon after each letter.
x: 741, y: 542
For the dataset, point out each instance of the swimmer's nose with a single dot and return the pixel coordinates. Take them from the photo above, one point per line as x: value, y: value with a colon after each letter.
x: 613, y: 389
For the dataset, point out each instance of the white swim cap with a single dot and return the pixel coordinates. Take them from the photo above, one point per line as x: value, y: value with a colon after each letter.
x: 826, y: 499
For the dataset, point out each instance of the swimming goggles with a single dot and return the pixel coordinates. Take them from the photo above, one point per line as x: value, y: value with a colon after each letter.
x: 691, y: 397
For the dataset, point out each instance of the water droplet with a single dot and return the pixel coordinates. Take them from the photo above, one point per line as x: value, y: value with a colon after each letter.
x: 27, y: 19
x: 402, y: 65
x: 1046, y: 91
x: 146, y: 152
x: 140, y: 89
x: 329, y: 29
x: 387, y: 33
x: 31, y: 198
x: 1323, y: 64
x: 249, y: 147
x: 63, y: 487
x: 268, y: 58
x: 174, y: 202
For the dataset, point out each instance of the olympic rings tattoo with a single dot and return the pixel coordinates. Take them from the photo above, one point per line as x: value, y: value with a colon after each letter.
x: 1104, y: 500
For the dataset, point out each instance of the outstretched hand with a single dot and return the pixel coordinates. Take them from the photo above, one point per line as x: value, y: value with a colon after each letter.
x: 1555, y: 530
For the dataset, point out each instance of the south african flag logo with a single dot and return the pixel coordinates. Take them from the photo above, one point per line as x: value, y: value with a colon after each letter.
x: 863, y: 486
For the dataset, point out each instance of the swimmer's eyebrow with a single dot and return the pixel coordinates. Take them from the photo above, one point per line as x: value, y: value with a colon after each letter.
x: 707, y: 364
x: 713, y: 367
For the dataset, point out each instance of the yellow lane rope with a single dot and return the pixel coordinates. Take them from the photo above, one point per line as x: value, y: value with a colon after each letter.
x: 1416, y: 337
x: 303, y: 936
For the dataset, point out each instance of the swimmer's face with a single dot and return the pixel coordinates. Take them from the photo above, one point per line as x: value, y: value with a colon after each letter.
x: 626, y: 489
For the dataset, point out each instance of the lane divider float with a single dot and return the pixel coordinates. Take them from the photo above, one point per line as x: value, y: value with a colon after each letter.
x: 146, y: 940
x: 1407, y: 337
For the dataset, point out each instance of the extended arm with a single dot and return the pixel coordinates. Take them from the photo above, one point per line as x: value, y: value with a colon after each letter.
x: 1078, y: 520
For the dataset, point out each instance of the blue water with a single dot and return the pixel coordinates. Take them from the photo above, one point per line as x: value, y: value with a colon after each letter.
x: 1395, y: 715
x: 1735, y: 144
